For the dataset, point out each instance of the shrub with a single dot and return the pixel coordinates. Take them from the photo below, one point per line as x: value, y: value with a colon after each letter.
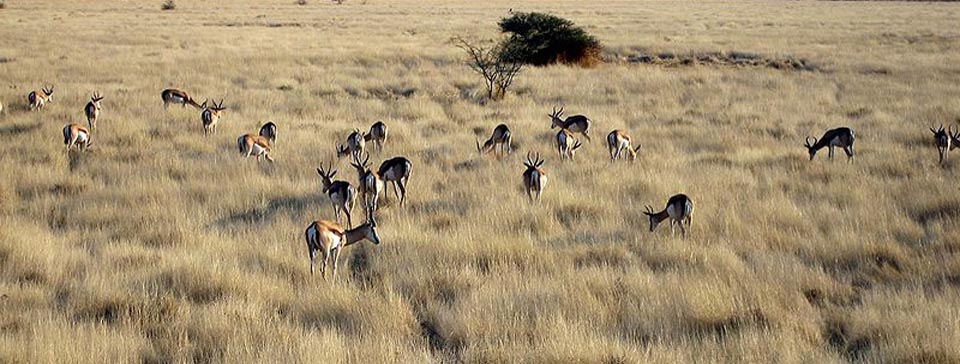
x: 542, y: 39
x: 168, y: 5
x: 490, y: 62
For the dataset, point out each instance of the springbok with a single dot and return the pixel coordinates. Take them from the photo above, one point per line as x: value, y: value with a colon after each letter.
x: 396, y: 170
x: 92, y: 110
x: 501, y: 137
x: 377, y: 134
x: 210, y: 116
x: 329, y: 238
x: 575, y: 124
x: 839, y: 137
x: 174, y: 96
x: 256, y: 146
x: 355, y: 145
x: 269, y: 131
x: 943, y: 140
x: 534, y: 179
x: 342, y: 195
x: 679, y: 210
x: 565, y: 147
x: 76, y: 135
x: 38, y: 99
x: 617, y: 142
x: 955, y: 140
x: 370, y: 186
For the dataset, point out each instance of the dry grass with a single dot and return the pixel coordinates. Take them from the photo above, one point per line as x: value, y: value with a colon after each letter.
x: 160, y: 246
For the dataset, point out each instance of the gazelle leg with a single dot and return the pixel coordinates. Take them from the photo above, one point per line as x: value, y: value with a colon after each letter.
x: 347, y: 210
x: 336, y: 259
x: 313, y: 258
x: 323, y: 265
x: 403, y: 190
x: 529, y: 195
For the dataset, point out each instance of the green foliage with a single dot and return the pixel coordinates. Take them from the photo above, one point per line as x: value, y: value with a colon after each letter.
x: 542, y: 39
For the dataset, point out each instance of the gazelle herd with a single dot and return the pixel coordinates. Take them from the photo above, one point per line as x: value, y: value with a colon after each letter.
x: 330, y: 237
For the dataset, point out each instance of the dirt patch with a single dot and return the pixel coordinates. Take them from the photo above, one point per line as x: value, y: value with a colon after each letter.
x: 720, y: 59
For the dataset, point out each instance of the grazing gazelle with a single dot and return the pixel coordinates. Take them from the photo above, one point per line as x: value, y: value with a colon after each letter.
x: 839, y: 137
x: 174, y: 96
x: 342, y: 195
x: 76, y: 135
x: 943, y: 140
x: 534, y: 179
x: 377, y: 134
x: 396, y: 170
x: 355, y: 145
x: 330, y: 238
x: 617, y: 142
x: 567, y: 145
x: 210, y: 116
x: 269, y: 131
x: 38, y: 99
x: 501, y: 137
x: 92, y: 110
x: 679, y: 210
x: 370, y: 186
x: 575, y: 124
x: 256, y: 146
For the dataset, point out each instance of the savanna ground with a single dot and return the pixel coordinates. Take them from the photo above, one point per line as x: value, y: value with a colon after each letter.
x: 161, y: 246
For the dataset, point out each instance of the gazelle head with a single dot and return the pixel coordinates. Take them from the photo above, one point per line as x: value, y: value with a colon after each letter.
x: 486, y: 147
x: 326, y: 176
x: 941, y: 136
x: 342, y: 151
x: 810, y: 147
x: 652, y: 216
x: 48, y: 93
x: 555, y: 118
x: 217, y: 108
x: 371, y: 232
x: 533, y: 161
x: 362, y: 166
x: 96, y: 99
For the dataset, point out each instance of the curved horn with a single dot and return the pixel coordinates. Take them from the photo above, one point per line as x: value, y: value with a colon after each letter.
x: 808, y: 141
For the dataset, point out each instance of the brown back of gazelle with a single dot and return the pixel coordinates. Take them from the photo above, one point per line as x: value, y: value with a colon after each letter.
x: 254, y: 145
x: 377, y: 134
x: 76, y: 135
x: 577, y: 124
x: 175, y: 96
x: 534, y: 178
x: 37, y: 100
x: 92, y: 110
x: 397, y: 171
x: 356, y: 143
x: 567, y: 145
x: 500, y: 138
x: 342, y: 195
x: 619, y: 141
x: 210, y: 116
x: 370, y: 186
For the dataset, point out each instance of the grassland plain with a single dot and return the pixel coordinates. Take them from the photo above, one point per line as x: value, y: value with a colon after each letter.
x: 161, y: 246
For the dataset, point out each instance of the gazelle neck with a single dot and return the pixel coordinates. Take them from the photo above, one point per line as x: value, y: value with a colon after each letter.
x: 356, y: 234
x: 660, y: 216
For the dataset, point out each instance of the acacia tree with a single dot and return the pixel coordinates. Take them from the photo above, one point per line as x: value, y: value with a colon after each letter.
x: 492, y: 63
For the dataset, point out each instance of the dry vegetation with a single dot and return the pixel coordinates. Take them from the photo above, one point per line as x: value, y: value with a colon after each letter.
x: 160, y: 246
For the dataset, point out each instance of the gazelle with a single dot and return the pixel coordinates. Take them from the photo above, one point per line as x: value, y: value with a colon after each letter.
x: 342, y: 195
x: 617, y: 142
x: 330, y: 238
x: 370, y: 186
x: 174, y: 96
x: 575, y: 124
x: 355, y: 145
x: 92, y: 110
x: 839, y: 137
x: 377, y: 134
x: 396, y: 170
x: 210, y: 116
x: 500, y: 138
x: 38, y: 99
x: 955, y: 140
x: 76, y: 135
x: 256, y: 146
x: 943, y: 139
x: 269, y: 131
x: 679, y: 210
x: 567, y: 145
x: 534, y: 179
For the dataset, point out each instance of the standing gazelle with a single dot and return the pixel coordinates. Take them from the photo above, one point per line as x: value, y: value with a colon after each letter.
x: 76, y: 135
x: 342, y: 195
x: 534, y: 179
x: 92, y: 110
x: 269, y: 131
x: 38, y: 99
x: 567, y: 145
x: 943, y: 140
x: 839, y: 137
x: 396, y: 170
x: 175, y: 96
x: 575, y: 124
x: 256, y: 146
x: 210, y: 116
x: 329, y: 238
x: 500, y: 137
x: 355, y: 145
x: 617, y: 142
x: 370, y: 186
x: 377, y: 134
x: 679, y: 210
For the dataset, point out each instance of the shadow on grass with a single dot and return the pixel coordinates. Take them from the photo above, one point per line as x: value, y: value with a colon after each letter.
x: 292, y: 205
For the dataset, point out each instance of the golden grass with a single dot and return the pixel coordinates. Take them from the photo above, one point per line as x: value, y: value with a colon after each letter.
x: 160, y: 246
